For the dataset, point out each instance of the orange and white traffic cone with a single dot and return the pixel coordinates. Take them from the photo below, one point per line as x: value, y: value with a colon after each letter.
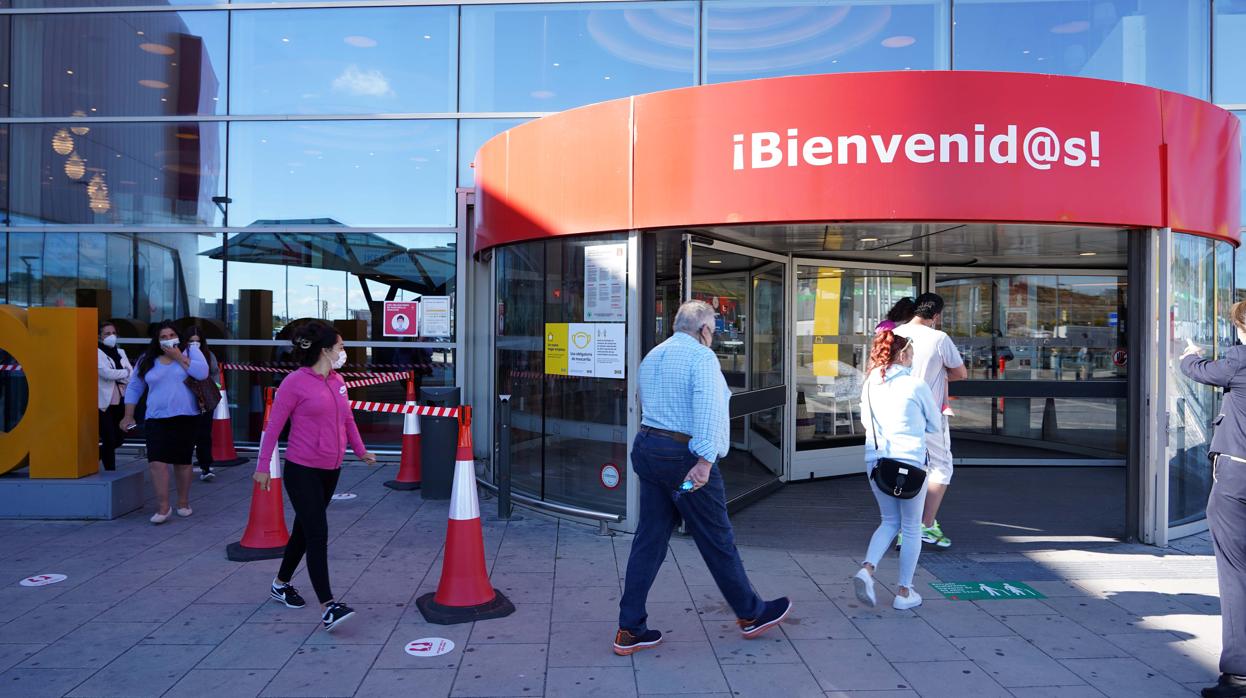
x: 266, y: 535
x: 464, y: 593
x: 409, y: 468
x: 223, y: 452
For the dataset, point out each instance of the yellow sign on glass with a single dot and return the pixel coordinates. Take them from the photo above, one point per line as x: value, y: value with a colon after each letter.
x: 556, y: 342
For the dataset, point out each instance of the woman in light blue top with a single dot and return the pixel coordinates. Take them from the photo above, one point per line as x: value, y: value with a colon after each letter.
x: 897, y: 411
x: 172, y: 410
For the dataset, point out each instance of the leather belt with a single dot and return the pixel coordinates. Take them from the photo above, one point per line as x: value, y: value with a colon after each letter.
x: 673, y: 435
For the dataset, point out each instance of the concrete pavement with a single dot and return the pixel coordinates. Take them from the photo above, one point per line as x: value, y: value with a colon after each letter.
x: 150, y: 611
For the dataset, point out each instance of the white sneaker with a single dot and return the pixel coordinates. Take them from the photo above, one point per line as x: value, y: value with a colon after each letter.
x: 159, y: 518
x: 863, y: 582
x: 184, y: 512
x: 904, y: 603
x: 207, y: 477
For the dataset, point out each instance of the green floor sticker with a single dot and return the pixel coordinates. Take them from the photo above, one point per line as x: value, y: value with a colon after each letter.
x: 985, y: 591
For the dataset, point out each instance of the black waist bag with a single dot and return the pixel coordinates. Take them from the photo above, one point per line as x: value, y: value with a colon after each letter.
x: 894, y: 477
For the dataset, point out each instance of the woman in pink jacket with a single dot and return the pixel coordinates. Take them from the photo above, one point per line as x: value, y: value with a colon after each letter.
x: 313, y: 399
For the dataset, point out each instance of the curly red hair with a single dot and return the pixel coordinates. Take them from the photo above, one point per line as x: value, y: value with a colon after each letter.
x: 886, y: 351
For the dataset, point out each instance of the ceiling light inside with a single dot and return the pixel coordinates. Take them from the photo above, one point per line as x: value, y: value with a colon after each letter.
x: 158, y: 49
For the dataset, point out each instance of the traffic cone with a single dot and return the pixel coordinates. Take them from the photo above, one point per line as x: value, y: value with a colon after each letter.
x: 223, y: 452
x: 409, y: 466
x: 464, y: 593
x: 266, y: 535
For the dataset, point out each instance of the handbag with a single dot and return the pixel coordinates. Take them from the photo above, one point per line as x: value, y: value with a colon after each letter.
x: 894, y: 477
x: 206, y: 391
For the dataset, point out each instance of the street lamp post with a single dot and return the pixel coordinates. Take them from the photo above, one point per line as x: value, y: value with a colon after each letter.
x: 319, y: 312
x: 27, y: 259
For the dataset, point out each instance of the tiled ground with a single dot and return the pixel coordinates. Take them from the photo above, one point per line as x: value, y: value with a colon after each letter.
x: 151, y: 611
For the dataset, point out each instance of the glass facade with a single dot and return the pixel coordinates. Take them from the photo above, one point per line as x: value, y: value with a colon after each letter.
x: 261, y: 165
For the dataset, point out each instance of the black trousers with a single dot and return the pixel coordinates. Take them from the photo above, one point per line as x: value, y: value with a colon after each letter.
x: 203, y: 441
x: 1226, y: 517
x: 310, y: 491
x: 111, y: 435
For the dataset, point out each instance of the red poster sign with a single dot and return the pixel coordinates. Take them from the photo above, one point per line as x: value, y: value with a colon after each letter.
x: 401, y: 319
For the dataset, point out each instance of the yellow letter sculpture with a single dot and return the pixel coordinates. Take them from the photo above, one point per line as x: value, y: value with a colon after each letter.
x: 59, y: 432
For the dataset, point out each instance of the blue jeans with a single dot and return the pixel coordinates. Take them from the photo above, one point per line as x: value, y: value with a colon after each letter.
x: 661, y: 463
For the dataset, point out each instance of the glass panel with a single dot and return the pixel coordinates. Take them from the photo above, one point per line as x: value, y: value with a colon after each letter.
x: 553, y: 57
x: 1161, y: 44
x: 101, y: 3
x: 520, y: 356
x: 1096, y: 426
x: 344, y: 61
x: 108, y: 64
x: 1191, y: 406
x: 769, y: 326
x: 756, y: 455
x: 746, y: 40
x: 472, y: 134
x: 128, y: 174
x: 1031, y: 327
x: 6, y: 99
x: 568, y: 421
x: 1229, y: 42
x: 397, y: 173
x: 836, y: 312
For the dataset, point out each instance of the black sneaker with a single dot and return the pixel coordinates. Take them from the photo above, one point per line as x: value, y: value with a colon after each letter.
x: 1229, y: 686
x: 626, y: 643
x: 287, y: 595
x: 774, y: 612
x: 335, y: 614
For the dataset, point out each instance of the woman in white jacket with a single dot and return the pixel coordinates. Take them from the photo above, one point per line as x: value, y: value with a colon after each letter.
x: 114, y: 372
x: 897, y: 411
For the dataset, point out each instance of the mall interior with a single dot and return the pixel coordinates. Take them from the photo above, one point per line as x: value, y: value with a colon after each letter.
x: 248, y: 166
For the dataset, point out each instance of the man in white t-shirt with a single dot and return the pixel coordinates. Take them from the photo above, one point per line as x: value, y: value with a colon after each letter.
x: 937, y: 361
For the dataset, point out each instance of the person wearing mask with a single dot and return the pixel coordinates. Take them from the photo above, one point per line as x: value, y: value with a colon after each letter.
x: 936, y: 361
x: 114, y: 371
x: 172, y: 409
x: 313, y: 400
x: 685, y: 429
x: 899, y: 314
x: 899, y: 412
x: 1226, y: 506
x: 203, y: 426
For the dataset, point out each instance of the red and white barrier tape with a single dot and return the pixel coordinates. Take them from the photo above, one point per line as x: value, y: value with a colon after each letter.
x: 391, y: 408
x: 11, y: 367
x: 374, y: 379
x: 282, y: 367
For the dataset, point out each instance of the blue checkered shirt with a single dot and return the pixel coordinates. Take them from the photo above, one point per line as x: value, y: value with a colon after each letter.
x: 682, y: 389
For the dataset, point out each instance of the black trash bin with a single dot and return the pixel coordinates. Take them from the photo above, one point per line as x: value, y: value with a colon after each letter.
x: 439, y: 442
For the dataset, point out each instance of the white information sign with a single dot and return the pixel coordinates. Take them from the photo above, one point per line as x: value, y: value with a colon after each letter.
x: 435, y: 316
x: 609, y: 340
x: 605, y: 282
x: 430, y: 647
x: 42, y: 580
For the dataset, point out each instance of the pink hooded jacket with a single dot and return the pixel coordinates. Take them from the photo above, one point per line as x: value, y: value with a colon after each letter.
x: 321, y: 422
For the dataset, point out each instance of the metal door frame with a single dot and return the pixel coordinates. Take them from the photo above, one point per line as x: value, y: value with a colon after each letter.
x: 853, y: 452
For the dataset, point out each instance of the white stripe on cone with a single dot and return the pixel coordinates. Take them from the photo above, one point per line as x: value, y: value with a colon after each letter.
x: 222, y: 408
x: 463, y: 503
x: 274, y: 462
x: 410, y: 422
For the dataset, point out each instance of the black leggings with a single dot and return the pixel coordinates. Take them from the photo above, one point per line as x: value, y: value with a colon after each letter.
x: 310, y: 491
x: 203, y: 441
x: 110, y: 435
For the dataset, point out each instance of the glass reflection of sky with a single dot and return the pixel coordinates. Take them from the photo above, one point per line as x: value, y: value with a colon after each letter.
x: 1229, y: 40
x: 760, y: 40
x: 344, y: 61
x: 358, y: 173
x: 1161, y: 44
x: 553, y: 57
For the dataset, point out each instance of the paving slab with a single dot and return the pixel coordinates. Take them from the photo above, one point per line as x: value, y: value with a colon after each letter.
x: 772, y: 680
x: 1013, y: 662
x: 388, y: 683
x: 950, y: 680
x: 501, y: 670
x: 38, y: 683
x: 590, y: 682
x: 91, y: 645
x: 143, y: 670
x: 222, y: 683
x: 849, y: 665
x: 679, y: 667
x: 1126, y: 678
x: 325, y: 671
x: 585, y: 644
x: 257, y: 646
x: 772, y: 647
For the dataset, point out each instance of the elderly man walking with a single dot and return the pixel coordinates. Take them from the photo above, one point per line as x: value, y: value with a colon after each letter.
x: 685, y: 430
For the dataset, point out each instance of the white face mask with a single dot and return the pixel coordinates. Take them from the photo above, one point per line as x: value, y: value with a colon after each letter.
x: 110, y: 340
x: 340, y: 361
x: 194, y: 344
x: 168, y: 343
x: 1241, y: 336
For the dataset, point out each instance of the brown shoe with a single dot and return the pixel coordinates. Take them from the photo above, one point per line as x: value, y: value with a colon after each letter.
x: 626, y: 643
